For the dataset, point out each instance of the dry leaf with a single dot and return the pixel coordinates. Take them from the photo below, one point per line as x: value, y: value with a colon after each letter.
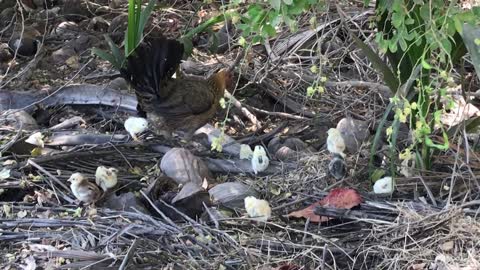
x: 342, y: 198
x: 418, y: 266
x: 447, y: 246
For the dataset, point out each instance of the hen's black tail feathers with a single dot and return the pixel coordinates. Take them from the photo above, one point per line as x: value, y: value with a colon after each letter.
x: 152, y: 63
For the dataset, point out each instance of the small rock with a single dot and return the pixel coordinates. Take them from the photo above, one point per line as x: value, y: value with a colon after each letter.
x: 61, y: 55
x: 76, y: 10
x: 231, y: 194
x: 23, y: 46
x: 73, y: 61
x: 98, y: 24
x: 286, y: 153
x: 274, y: 144
x: 295, y: 144
x: 125, y: 202
x: 118, y: 84
x: 118, y: 3
x: 183, y: 167
x: 354, y: 133
x: 20, y: 118
x: 119, y: 23
x: 5, y: 54
x: 67, y: 30
x: 187, y: 190
x: 82, y: 43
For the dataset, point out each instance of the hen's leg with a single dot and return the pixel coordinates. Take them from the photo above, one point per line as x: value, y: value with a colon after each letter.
x: 158, y: 126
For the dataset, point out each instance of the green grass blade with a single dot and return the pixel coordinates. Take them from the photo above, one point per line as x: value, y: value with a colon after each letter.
x: 388, y: 75
x: 144, y: 17
x: 119, y: 57
x: 471, y: 37
x: 105, y: 56
x: 130, y: 34
x: 378, y: 136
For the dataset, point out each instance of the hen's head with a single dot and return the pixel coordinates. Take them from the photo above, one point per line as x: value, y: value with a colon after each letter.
x: 224, y: 79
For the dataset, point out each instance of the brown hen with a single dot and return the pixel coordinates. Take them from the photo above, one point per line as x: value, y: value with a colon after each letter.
x: 171, y: 104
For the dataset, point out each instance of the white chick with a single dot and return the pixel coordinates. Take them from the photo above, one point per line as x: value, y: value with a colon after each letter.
x: 335, y: 142
x: 135, y: 125
x: 82, y: 189
x: 383, y: 186
x: 36, y: 139
x: 258, y: 209
x: 260, y: 159
x: 337, y: 167
x: 106, y: 178
x: 245, y: 151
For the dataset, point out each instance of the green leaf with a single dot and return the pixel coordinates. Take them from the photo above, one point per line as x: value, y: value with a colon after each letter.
x: 119, y: 57
x: 145, y: 15
x: 447, y: 46
x: 276, y: 4
x: 105, y: 56
x: 269, y: 30
x: 470, y: 35
x: 288, y: 2
x: 426, y: 65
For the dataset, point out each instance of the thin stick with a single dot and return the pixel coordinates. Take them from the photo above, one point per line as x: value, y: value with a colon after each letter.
x: 129, y: 255
x: 244, y: 110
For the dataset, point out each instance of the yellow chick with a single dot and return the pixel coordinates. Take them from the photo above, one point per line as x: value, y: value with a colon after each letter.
x: 258, y: 209
x: 335, y: 142
x: 260, y: 159
x: 135, y: 125
x: 106, y: 178
x: 83, y: 190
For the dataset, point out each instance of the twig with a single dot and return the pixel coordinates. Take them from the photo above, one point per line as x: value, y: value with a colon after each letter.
x: 244, y: 110
x: 278, y: 114
x: 40, y: 168
x: 129, y: 255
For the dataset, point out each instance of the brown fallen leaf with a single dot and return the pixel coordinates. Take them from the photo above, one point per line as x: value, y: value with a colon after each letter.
x: 343, y: 198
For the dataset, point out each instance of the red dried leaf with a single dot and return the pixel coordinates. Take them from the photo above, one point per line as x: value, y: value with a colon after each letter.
x: 343, y: 198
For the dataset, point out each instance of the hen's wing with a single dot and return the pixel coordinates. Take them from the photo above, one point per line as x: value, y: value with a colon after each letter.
x: 188, y: 97
x: 150, y: 67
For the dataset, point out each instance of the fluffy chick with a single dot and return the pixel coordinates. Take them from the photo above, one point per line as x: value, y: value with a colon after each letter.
x: 83, y: 190
x: 106, y: 178
x: 260, y: 159
x: 135, y: 125
x: 335, y: 142
x: 258, y: 209
x: 383, y: 186
x: 337, y: 167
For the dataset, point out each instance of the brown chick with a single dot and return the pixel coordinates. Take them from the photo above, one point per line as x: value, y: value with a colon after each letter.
x: 106, y: 178
x: 171, y: 104
x: 84, y: 190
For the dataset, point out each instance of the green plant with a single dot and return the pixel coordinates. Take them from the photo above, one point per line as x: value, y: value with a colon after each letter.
x: 422, y: 43
x: 137, y: 19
